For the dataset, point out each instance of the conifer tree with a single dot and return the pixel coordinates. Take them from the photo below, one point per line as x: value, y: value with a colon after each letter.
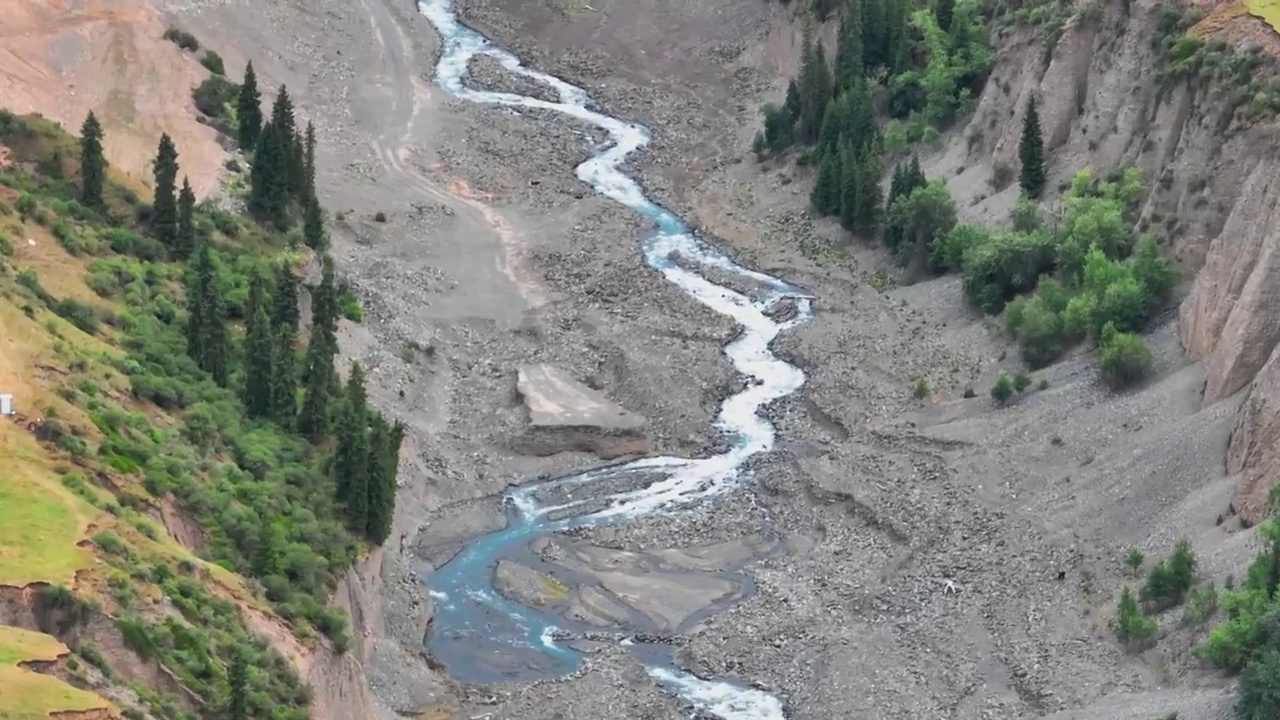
x: 309, y: 165
x: 815, y: 88
x: 268, y: 552
x: 238, y: 686
x: 185, y: 241
x: 258, y: 352
x: 324, y: 316
x: 944, y: 11
x: 860, y: 117
x: 382, y: 481
x: 197, y: 273
x: 351, y: 457
x: 284, y: 308
x: 834, y: 121
x: 849, y: 50
x: 1031, y: 153
x: 874, y: 33
x: 849, y: 176
x: 284, y: 377
x: 93, y: 163
x: 897, y: 42
x: 313, y: 234
x: 282, y: 118
x: 313, y: 419
x: 216, y: 344
x: 164, y: 214
x: 269, y: 183
x: 825, y: 197
x: 867, y: 212
x: 792, y: 104
x: 249, y: 110
x: 298, y: 169
x: 318, y: 376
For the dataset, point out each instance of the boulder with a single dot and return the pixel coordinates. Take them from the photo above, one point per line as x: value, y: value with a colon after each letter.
x: 565, y: 415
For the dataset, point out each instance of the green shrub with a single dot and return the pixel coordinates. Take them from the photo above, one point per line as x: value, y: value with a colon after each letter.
x: 921, y: 390
x: 1123, y: 358
x: 214, y: 94
x: 1021, y: 381
x: 1007, y: 265
x: 1002, y: 390
x: 1170, y: 579
x: 1259, y: 697
x: 1132, y: 627
x: 213, y: 62
x: 84, y: 317
x: 6, y: 247
x: 349, y: 304
x: 182, y: 39
x: 1202, y: 602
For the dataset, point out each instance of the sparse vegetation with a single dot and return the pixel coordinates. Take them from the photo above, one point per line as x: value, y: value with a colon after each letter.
x: 921, y: 390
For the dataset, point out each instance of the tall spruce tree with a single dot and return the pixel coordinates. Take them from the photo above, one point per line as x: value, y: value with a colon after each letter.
x: 860, y: 117
x: 382, y: 481
x: 313, y: 234
x: 249, y: 110
x: 318, y: 376
x: 815, y: 88
x: 258, y: 356
x: 1031, y: 153
x: 185, y: 241
x: 875, y: 33
x: 164, y: 213
x: 199, y: 272
x: 351, y: 456
x: 850, y: 67
x: 284, y: 306
x: 825, y: 197
x: 284, y: 377
x: 313, y: 419
x: 298, y: 170
x: 309, y: 165
x: 791, y: 106
x: 868, y: 212
x: 217, y: 345
x: 849, y: 176
x: 282, y: 118
x: 93, y: 164
x: 238, y: 685
x: 268, y: 179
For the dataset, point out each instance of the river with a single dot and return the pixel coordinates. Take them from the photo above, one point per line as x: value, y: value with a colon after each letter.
x: 475, y: 629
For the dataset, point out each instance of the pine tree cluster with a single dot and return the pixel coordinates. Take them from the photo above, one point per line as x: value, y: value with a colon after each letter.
x: 283, y: 173
x: 925, y: 65
x: 366, y: 451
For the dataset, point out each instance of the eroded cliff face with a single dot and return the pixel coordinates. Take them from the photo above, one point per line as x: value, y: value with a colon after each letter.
x: 1212, y: 203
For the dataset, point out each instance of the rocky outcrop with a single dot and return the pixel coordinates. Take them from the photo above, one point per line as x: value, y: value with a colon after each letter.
x: 566, y: 415
x: 1254, y: 452
x: 1229, y: 320
x: 1211, y: 197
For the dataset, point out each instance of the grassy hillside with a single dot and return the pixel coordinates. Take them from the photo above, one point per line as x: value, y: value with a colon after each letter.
x: 119, y: 430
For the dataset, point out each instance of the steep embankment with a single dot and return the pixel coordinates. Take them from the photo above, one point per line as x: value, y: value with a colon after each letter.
x: 1111, y: 96
x: 62, y: 59
x: 114, y: 481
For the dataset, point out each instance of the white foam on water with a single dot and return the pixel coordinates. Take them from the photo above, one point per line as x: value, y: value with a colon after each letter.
x: 686, y: 481
x: 719, y: 698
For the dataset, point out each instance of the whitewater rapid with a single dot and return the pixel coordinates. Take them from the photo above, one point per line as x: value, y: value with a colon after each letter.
x: 469, y: 612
